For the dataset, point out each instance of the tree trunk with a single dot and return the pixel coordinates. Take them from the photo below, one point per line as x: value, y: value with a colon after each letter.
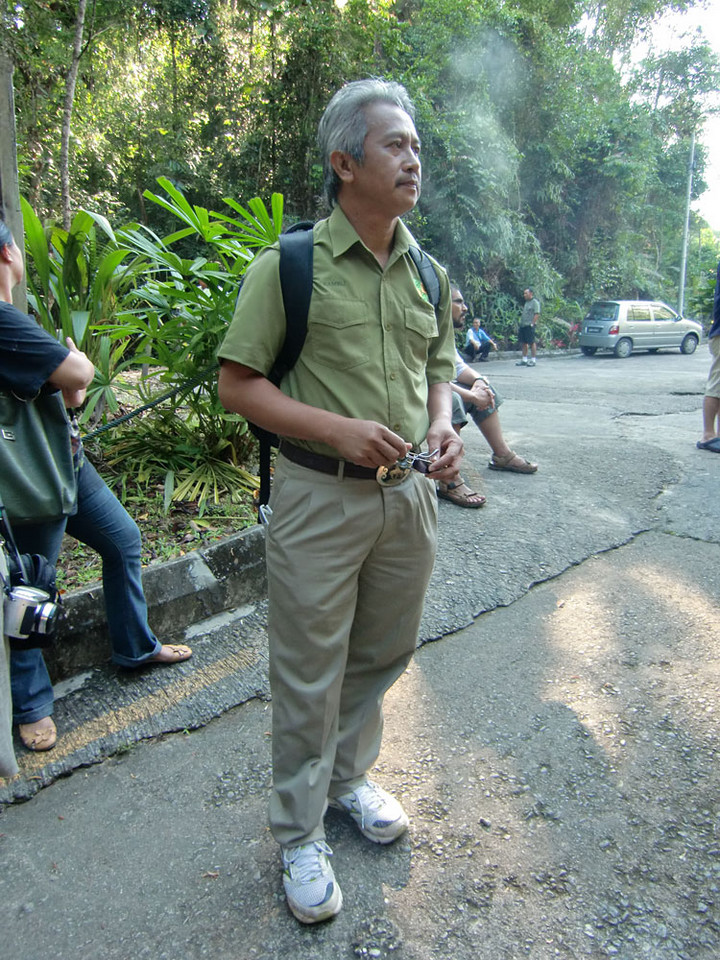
x: 9, y: 187
x: 70, y: 83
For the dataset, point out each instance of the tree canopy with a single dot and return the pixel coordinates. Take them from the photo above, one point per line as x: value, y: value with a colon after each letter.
x: 548, y: 160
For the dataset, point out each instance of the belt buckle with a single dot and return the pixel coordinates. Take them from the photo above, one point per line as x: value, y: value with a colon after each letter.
x: 394, y: 475
x: 401, y: 469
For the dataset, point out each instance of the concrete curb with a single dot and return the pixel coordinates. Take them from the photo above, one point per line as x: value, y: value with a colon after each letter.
x: 199, y: 585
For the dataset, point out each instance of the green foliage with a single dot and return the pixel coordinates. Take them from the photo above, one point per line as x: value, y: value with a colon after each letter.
x: 151, y: 311
x: 74, y: 281
x: 175, y: 319
x: 547, y: 160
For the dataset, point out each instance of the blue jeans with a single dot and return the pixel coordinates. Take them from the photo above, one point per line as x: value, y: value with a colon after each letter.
x: 102, y: 523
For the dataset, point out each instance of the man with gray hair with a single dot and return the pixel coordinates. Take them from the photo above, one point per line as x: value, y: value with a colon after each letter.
x: 352, y: 533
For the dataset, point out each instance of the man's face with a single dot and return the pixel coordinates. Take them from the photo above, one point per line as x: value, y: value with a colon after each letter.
x: 459, y: 308
x: 476, y: 323
x: 528, y: 294
x: 388, y: 180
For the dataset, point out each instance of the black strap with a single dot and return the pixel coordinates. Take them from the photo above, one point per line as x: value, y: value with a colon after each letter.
x: 427, y: 274
x: 296, y: 280
x: 6, y: 534
x: 296, y: 277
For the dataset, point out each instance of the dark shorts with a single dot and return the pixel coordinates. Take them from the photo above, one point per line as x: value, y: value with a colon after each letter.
x: 526, y: 334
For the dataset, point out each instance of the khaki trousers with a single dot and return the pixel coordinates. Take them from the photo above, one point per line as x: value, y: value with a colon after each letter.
x: 348, y: 565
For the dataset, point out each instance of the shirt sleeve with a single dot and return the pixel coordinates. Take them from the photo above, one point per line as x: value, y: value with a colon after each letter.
x: 29, y: 355
x: 257, y: 330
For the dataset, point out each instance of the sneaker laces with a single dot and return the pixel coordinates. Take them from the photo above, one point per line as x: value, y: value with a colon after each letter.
x: 305, y: 863
x: 370, y: 801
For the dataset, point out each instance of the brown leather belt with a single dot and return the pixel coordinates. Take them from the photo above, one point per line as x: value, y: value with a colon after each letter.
x: 316, y: 461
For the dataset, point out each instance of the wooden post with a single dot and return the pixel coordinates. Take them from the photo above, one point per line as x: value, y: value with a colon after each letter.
x: 9, y: 184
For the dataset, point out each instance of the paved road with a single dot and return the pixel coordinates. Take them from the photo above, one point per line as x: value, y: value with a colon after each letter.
x: 557, y: 747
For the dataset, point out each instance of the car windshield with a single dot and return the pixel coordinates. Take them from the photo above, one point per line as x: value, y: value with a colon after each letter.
x: 603, y: 311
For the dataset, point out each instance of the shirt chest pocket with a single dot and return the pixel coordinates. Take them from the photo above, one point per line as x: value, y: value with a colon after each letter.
x: 420, y: 330
x: 338, y: 334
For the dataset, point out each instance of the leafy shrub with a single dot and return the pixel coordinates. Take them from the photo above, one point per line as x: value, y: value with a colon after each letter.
x: 149, y: 316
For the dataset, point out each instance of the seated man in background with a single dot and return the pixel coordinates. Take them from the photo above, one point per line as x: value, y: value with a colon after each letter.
x: 477, y: 343
x: 474, y: 397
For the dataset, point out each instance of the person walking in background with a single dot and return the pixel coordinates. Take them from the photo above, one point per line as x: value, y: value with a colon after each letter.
x: 32, y: 360
x: 711, y: 402
x: 348, y: 557
x: 528, y: 329
x: 477, y: 343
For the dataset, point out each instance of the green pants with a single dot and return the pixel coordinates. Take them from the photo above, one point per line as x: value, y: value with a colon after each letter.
x: 348, y: 565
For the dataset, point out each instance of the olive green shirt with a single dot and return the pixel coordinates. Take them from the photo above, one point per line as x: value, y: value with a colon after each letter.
x: 373, y: 345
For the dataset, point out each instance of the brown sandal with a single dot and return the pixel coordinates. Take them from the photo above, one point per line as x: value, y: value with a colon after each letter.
x: 461, y: 499
x: 513, y: 462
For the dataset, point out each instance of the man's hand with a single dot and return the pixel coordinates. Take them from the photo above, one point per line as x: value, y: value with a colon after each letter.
x: 482, y: 395
x: 442, y: 437
x: 369, y: 444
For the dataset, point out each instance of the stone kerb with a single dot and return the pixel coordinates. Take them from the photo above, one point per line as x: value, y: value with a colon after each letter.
x: 181, y: 592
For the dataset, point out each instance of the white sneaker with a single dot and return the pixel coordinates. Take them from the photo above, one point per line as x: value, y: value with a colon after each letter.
x: 521, y: 363
x: 378, y: 814
x: 310, y: 886
x: 531, y: 363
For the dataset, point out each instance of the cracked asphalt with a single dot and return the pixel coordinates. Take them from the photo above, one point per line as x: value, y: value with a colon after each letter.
x: 555, y: 740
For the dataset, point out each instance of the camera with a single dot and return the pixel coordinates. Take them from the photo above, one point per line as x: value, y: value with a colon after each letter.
x: 30, y: 618
x: 31, y: 603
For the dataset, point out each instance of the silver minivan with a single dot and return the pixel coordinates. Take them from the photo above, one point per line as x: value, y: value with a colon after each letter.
x: 626, y: 325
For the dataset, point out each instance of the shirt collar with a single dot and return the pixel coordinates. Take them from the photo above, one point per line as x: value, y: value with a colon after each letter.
x: 343, y: 236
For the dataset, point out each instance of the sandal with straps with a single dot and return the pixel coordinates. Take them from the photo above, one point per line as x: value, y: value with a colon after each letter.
x: 461, y: 499
x: 512, y: 462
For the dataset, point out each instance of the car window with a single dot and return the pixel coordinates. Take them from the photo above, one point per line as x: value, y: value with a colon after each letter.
x: 638, y: 312
x: 603, y: 311
x: 663, y: 313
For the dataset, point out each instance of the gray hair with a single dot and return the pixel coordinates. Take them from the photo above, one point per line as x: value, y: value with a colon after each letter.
x: 343, y: 126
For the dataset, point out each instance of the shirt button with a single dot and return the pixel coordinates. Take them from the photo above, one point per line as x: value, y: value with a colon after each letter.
x: 392, y: 376
x: 396, y: 426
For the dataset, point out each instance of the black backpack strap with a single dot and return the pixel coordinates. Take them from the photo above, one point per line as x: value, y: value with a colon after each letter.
x: 296, y: 282
x: 427, y: 274
x: 296, y: 276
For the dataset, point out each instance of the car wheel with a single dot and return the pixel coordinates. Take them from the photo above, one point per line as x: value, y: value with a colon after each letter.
x: 689, y: 344
x: 623, y: 348
x: 589, y: 351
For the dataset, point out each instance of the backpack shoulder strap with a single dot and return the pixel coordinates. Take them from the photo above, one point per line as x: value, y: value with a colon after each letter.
x: 427, y: 274
x: 296, y: 281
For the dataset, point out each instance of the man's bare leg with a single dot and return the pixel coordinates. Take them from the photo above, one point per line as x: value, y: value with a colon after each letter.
x: 490, y: 428
x: 711, y: 418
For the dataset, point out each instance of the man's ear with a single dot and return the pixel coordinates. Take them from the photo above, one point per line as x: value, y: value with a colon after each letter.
x: 5, y: 252
x: 343, y: 165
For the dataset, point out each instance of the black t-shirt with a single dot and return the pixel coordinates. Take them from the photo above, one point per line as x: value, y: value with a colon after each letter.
x: 28, y: 354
